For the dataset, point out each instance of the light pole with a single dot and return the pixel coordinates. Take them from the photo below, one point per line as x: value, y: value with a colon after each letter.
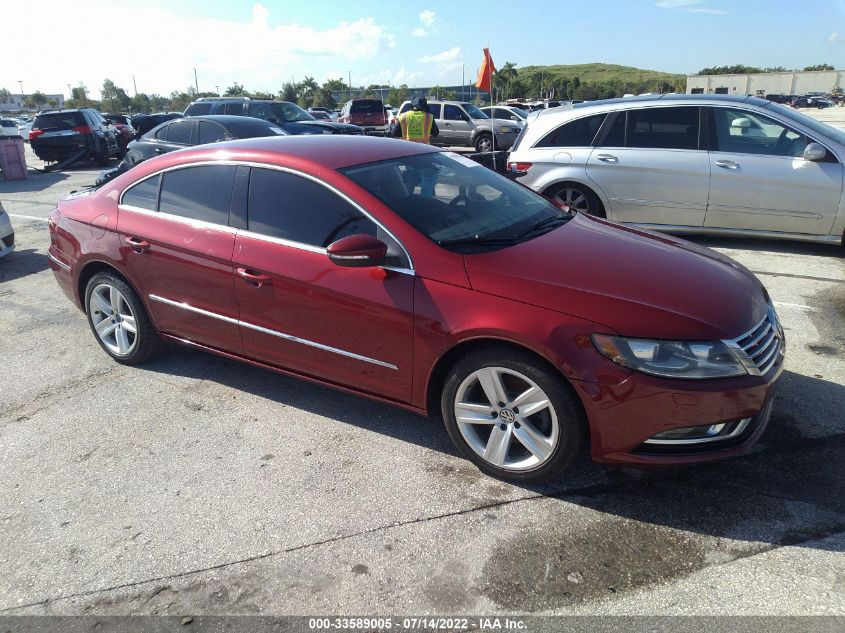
x: 217, y: 88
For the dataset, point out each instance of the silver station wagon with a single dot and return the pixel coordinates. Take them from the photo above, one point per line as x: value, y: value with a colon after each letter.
x: 723, y: 165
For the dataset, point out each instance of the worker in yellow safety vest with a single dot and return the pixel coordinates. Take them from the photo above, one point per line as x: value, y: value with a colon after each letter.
x: 417, y: 124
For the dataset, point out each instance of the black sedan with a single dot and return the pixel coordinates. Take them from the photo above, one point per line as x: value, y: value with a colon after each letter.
x: 187, y: 132
x: 197, y: 130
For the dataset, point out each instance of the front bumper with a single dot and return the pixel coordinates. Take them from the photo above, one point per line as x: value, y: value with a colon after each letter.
x: 625, y: 415
x: 7, y: 244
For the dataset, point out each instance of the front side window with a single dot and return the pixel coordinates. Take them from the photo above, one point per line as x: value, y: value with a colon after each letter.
x: 615, y: 135
x: 200, y: 193
x: 452, y: 113
x: 474, y: 111
x: 180, y: 132
x: 456, y: 202
x: 295, y: 208
x: 663, y: 128
x: 744, y: 132
x: 144, y: 195
x: 285, y: 112
x: 577, y: 133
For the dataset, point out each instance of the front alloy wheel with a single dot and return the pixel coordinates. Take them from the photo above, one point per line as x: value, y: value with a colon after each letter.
x: 506, y: 418
x: 513, y: 415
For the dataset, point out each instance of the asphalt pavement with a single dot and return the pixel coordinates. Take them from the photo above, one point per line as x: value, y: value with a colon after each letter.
x: 194, y: 484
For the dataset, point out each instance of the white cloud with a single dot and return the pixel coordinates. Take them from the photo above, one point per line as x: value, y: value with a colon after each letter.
x: 428, y: 24
x: 690, y: 6
x: 835, y: 38
x: 446, y: 57
x: 253, y: 50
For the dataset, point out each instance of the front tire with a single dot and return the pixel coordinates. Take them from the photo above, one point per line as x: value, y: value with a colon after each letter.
x: 484, y: 143
x: 119, y: 320
x: 512, y: 416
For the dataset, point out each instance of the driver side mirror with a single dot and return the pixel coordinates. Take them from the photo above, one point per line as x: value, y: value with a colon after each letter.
x: 815, y: 152
x: 358, y: 251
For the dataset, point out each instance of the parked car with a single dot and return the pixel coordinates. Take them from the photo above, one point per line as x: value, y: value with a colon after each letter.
x: 143, y: 123
x: 812, y: 102
x: 24, y: 127
x: 123, y: 125
x: 506, y: 113
x: 756, y: 168
x: 57, y: 135
x: 8, y: 127
x: 189, y: 131
x: 779, y: 98
x: 288, y: 116
x: 464, y: 124
x: 7, y: 233
x: 368, y: 114
x: 320, y: 115
x: 470, y: 297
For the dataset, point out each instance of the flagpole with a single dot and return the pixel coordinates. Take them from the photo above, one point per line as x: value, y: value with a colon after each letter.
x: 489, y: 60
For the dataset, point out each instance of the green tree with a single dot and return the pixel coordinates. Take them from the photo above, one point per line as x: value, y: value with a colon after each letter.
x: 335, y: 85
x: 235, y: 90
x: 113, y: 98
x: 503, y: 78
x: 140, y: 103
x: 38, y: 99
x: 819, y: 67
x: 262, y: 95
x: 305, y: 90
x: 79, y: 97
x: 397, y: 96
x: 288, y: 92
x: 324, y: 99
x: 5, y: 95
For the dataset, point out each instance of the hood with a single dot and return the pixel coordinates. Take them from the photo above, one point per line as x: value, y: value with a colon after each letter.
x: 307, y: 127
x: 637, y: 283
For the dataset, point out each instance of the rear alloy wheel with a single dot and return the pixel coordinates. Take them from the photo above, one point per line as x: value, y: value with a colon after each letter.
x: 511, y: 416
x: 578, y: 199
x: 484, y: 143
x: 119, y: 320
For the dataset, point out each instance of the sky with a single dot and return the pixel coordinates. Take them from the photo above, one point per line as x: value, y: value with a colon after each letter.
x: 420, y: 43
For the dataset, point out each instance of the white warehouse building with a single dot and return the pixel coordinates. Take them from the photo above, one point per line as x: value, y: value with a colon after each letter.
x: 761, y: 84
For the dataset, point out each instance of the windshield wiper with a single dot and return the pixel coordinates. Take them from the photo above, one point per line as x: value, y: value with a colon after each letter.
x: 541, y: 224
x: 476, y: 239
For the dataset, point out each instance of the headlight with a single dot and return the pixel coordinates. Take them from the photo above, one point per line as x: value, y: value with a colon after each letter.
x: 671, y: 359
x: 504, y: 130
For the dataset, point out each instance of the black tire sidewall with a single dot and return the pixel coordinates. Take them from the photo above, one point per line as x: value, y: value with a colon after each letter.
x: 480, y: 139
x: 570, y: 415
x: 596, y: 208
x: 147, y: 339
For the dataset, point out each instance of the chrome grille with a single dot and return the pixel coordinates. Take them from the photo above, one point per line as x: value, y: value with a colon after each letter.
x: 762, y: 347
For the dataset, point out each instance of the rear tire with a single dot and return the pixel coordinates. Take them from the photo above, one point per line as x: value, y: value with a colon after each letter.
x: 530, y: 427
x: 119, y: 320
x: 578, y: 197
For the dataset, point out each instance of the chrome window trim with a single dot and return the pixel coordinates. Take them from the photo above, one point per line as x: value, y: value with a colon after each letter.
x: 283, y: 335
x: 291, y: 243
x: 199, y: 224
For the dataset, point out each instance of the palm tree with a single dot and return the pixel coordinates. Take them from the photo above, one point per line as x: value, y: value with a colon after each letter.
x: 503, y: 78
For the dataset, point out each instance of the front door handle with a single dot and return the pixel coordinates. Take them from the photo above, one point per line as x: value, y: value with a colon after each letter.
x: 137, y: 244
x: 607, y: 158
x: 158, y: 150
x: 254, y: 278
x: 727, y: 164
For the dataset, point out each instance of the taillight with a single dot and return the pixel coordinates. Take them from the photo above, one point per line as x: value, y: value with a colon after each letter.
x: 35, y: 133
x: 519, y: 166
x: 82, y: 129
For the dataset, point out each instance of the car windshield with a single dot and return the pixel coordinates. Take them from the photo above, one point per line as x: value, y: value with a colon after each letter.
x: 817, y: 126
x: 290, y: 113
x: 456, y: 202
x: 473, y: 111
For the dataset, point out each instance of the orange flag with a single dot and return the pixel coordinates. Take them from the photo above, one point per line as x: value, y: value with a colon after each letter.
x: 487, y: 69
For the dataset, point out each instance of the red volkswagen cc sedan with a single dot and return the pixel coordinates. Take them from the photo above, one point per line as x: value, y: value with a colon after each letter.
x: 417, y: 277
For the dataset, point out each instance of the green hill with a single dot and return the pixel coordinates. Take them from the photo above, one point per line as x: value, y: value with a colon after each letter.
x: 602, y: 73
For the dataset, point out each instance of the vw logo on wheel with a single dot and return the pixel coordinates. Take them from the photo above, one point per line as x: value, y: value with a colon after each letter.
x: 507, y: 415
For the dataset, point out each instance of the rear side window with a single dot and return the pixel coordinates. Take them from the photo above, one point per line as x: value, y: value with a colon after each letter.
x: 144, y: 195
x: 577, y: 133
x: 200, y: 193
x: 197, y: 109
x: 161, y: 133
x: 236, y: 108
x: 180, y: 132
x: 211, y: 133
x: 294, y: 208
x: 58, y: 121
x: 663, y: 128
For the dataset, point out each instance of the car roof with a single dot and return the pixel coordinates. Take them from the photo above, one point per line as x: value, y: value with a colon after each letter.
x: 334, y: 151
x: 231, y: 119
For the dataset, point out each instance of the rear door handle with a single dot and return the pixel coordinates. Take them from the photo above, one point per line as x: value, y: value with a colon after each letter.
x: 254, y: 278
x: 727, y: 164
x: 607, y: 158
x: 137, y: 244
